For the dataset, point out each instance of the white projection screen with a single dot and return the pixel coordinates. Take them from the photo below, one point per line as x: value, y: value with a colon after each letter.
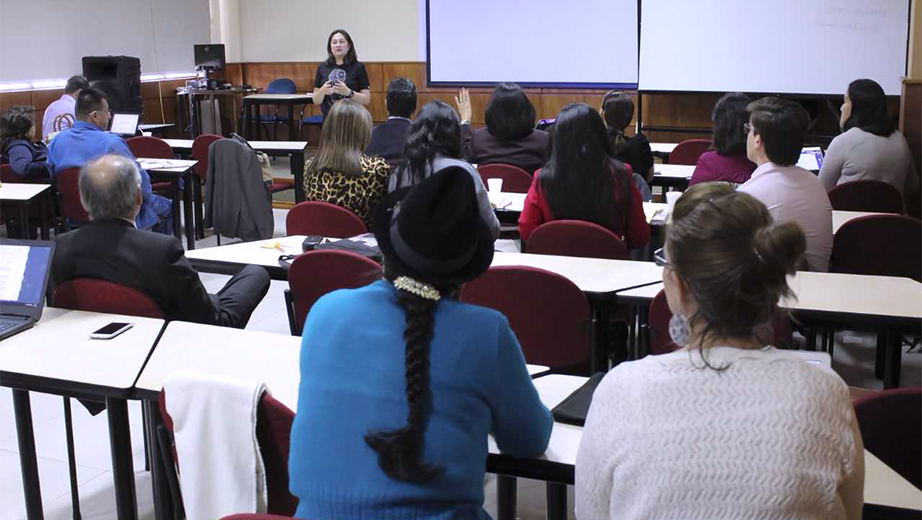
x: 590, y: 43
x: 781, y: 46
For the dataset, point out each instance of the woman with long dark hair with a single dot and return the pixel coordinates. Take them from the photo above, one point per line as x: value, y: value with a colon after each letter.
x: 342, y: 75
x: 582, y: 181
x: 870, y: 148
x: 27, y: 157
x: 618, y: 111
x: 510, y: 136
x: 434, y: 143
x: 727, y: 160
x: 401, y: 383
x: 728, y: 426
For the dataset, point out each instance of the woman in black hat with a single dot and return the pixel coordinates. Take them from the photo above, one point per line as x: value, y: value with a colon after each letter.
x: 401, y: 383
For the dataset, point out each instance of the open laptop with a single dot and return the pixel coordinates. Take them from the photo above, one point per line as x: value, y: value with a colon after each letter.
x: 125, y: 124
x: 25, y: 267
x: 811, y: 158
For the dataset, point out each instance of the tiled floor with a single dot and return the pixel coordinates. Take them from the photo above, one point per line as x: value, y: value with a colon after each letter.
x: 854, y: 356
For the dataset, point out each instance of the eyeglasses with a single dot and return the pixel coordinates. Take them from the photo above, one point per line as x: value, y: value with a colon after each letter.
x: 747, y: 127
x: 659, y: 258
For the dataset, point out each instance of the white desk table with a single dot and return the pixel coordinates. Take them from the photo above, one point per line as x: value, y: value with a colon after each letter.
x: 231, y: 258
x: 22, y: 195
x: 58, y: 357
x: 506, y: 201
x: 841, y: 217
x: 174, y: 170
x: 663, y: 148
x: 883, y: 486
x: 252, y: 103
x: 672, y: 175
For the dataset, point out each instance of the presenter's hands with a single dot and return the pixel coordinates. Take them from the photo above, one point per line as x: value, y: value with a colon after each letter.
x: 463, y: 101
x: 340, y: 88
x: 327, y: 88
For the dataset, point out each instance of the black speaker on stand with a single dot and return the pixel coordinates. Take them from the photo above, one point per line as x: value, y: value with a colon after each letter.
x: 120, y: 78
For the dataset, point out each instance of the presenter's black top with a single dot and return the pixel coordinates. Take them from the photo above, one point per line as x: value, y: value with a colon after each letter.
x: 352, y: 74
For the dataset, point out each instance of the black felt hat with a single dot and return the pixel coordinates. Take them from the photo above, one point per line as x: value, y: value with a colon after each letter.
x: 433, y: 232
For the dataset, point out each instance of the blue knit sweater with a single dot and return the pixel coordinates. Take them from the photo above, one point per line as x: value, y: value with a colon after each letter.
x: 352, y: 381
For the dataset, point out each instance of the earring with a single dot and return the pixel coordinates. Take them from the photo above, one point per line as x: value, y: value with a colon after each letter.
x: 679, y: 331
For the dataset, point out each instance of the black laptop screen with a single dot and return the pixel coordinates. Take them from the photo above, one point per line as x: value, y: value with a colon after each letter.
x: 22, y: 273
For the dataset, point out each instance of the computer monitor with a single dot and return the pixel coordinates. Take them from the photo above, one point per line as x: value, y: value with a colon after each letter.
x: 209, y: 56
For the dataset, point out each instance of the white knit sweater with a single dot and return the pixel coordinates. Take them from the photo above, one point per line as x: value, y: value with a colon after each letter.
x: 770, y: 437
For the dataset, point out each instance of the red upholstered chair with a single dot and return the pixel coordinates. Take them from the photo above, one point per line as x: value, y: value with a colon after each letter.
x: 7, y: 175
x: 281, y: 185
x: 688, y: 151
x: 68, y: 188
x: 661, y: 343
x: 149, y: 147
x: 576, y: 238
x: 885, y: 245
x: 515, y: 179
x: 547, y: 312
x: 341, y: 270
x: 891, y: 426
x: 88, y: 294
x: 871, y: 196
x: 200, y: 153
x: 323, y: 218
x: 273, y: 434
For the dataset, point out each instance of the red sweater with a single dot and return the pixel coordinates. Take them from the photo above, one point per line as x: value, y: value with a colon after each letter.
x: 634, y: 231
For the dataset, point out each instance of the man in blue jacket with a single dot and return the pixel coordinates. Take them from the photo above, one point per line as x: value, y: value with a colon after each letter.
x: 88, y: 140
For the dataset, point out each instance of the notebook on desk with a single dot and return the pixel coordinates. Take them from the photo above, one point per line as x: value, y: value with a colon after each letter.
x: 25, y: 267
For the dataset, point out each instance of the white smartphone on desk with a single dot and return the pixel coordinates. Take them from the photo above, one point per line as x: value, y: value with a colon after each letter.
x: 111, y: 330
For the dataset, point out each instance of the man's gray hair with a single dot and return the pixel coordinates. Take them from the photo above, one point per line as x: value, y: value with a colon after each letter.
x: 109, y: 187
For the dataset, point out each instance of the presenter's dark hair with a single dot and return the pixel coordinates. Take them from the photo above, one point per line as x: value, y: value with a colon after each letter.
x: 350, y: 57
x: 76, y: 83
x: 869, y: 108
x: 619, y: 110
x: 401, y: 97
x: 782, y: 124
x: 435, y: 131
x: 400, y: 451
x: 90, y: 99
x: 729, y: 116
x: 581, y: 177
x: 509, y: 114
x: 15, y: 123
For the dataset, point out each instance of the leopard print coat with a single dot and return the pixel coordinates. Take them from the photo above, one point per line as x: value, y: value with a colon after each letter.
x: 360, y: 194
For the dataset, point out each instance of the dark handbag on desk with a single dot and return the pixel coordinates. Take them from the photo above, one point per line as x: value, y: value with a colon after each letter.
x: 575, y: 407
x: 364, y: 245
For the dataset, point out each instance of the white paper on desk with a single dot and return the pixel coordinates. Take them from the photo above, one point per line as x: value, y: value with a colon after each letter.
x: 153, y: 164
x: 12, y: 271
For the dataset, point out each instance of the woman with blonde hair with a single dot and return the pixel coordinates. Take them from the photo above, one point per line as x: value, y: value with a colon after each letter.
x: 727, y: 426
x: 340, y: 173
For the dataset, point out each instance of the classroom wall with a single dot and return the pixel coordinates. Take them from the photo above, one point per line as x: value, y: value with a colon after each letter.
x: 915, y: 41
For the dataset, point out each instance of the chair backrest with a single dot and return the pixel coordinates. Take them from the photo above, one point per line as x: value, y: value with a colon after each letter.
x: 891, y: 426
x: 547, y: 312
x: 281, y: 86
x: 688, y: 151
x: 273, y: 434
x: 322, y: 218
x: 200, y: 153
x: 576, y: 238
x: 341, y: 270
x: 885, y: 245
x: 68, y: 186
x: 149, y: 147
x: 62, y: 122
x: 88, y: 294
x: 515, y: 179
x: 7, y: 175
x: 866, y: 195
x: 661, y: 342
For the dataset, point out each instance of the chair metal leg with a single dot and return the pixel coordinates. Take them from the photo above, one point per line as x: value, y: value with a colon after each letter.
x: 879, y: 355
x: 146, y: 434
x: 71, y: 459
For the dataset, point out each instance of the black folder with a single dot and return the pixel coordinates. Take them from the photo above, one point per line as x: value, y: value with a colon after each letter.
x: 575, y: 407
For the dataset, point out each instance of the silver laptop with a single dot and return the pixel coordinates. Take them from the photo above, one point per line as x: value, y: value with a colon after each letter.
x: 25, y: 267
x: 125, y: 124
x: 811, y: 158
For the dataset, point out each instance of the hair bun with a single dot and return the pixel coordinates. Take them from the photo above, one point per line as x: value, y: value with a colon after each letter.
x: 780, y: 248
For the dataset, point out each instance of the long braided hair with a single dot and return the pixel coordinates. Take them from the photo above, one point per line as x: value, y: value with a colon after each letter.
x: 400, y: 451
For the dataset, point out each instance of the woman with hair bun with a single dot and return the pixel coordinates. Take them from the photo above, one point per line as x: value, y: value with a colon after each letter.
x: 728, y: 426
x: 401, y: 384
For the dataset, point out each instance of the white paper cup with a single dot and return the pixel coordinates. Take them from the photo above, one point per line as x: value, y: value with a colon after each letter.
x: 495, y: 185
x: 671, y: 197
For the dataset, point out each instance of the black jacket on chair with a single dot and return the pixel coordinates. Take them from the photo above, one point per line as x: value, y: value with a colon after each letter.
x: 237, y: 203
x: 155, y: 264
x: 388, y: 140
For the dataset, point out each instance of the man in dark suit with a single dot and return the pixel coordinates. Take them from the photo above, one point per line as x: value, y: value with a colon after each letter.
x: 389, y: 138
x: 111, y: 248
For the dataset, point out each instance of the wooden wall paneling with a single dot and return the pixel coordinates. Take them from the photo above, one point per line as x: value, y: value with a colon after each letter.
x: 42, y: 98
x: 233, y: 73
x: 376, y: 77
x: 11, y: 99
x: 548, y: 104
x: 378, y: 111
x: 910, y: 123
x: 416, y: 72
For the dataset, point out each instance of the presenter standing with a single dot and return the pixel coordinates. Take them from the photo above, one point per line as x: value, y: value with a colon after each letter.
x: 342, y: 75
